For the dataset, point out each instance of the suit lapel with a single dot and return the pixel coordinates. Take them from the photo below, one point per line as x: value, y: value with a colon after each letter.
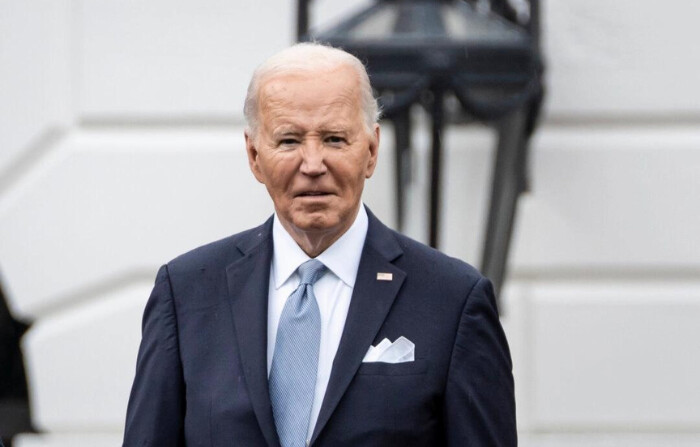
x: 248, y: 281
x: 369, y: 306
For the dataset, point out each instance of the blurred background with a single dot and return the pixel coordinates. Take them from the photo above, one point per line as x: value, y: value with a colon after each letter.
x: 121, y: 146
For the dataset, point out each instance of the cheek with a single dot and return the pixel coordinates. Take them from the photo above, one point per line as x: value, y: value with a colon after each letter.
x: 352, y: 185
x: 278, y: 171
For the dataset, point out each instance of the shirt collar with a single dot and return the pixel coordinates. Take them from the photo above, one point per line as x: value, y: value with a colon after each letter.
x: 342, y: 258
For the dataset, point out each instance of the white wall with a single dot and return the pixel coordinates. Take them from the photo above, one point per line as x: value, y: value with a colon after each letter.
x: 121, y: 146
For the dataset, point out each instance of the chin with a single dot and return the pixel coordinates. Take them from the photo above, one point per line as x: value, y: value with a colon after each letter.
x: 316, y: 222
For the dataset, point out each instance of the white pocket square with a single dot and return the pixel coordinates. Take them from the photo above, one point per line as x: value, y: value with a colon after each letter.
x: 400, y: 351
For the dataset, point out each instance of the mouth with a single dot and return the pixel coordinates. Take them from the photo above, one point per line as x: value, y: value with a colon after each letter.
x: 313, y: 194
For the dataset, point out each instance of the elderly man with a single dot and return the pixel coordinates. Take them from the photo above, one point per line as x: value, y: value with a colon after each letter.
x: 322, y: 326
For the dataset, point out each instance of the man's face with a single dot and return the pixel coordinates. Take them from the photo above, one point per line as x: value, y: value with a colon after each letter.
x: 313, y: 150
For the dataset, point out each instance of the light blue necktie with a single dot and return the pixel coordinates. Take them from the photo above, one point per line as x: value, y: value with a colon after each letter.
x: 295, y: 361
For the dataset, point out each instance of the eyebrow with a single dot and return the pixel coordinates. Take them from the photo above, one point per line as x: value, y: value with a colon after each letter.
x: 286, y: 131
x: 335, y: 130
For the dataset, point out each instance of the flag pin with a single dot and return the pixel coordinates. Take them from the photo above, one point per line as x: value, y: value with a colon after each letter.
x: 384, y: 276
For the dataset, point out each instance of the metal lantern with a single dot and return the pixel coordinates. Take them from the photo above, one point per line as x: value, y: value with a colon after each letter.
x: 482, y: 55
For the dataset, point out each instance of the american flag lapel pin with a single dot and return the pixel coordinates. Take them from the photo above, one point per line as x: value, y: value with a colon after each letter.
x: 381, y: 276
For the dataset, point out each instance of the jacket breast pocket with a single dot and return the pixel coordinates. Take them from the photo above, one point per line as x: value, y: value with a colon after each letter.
x: 415, y: 367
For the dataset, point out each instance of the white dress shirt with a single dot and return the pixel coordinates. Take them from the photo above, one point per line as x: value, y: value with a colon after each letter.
x: 333, y: 292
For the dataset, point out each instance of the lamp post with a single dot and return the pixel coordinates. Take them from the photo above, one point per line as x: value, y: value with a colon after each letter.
x: 479, y: 52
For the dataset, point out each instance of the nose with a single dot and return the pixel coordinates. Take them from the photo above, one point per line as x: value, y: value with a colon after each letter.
x: 312, y: 159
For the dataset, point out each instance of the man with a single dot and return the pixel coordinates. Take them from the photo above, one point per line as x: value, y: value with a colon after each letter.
x: 276, y: 336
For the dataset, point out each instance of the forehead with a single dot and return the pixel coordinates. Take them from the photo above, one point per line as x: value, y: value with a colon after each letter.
x: 318, y: 93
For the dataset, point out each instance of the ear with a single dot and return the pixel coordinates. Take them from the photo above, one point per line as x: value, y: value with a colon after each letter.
x: 253, y: 161
x: 373, y: 151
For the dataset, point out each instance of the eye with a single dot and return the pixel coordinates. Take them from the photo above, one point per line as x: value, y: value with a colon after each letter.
x: 288, y: 142
x: 335, y: 139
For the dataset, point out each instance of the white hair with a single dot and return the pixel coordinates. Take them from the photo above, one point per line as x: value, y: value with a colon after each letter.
x: 308, y: 57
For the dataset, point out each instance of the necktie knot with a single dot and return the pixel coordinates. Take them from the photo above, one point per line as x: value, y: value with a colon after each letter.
x: 311, y: 271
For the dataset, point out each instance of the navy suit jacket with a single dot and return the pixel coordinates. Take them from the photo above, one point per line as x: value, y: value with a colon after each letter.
x: 201, y: 375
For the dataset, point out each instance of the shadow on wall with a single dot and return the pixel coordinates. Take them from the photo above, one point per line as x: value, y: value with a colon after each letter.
x: 14, y: 402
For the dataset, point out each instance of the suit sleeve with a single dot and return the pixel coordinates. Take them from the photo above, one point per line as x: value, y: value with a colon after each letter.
x: 479, y: 395
x: 155, y: 415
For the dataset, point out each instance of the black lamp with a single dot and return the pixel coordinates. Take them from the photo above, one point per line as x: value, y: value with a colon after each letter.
x: 485, y: 54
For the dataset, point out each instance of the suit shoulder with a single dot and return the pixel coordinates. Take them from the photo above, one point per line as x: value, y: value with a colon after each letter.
x: 221, y: 252
x: 436, y: 264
